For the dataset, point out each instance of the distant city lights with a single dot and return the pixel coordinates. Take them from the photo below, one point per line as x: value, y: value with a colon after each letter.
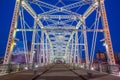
x: 36, y: 66
x: 26, y: 68
x: 82, y: 66
x: 92, y: 68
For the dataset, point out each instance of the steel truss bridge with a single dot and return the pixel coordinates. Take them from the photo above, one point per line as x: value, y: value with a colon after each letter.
x: 45, y: 32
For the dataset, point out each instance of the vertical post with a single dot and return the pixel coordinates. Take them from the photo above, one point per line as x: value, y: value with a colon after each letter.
x: 69, y: 54
x: 69, y: 57
x: 109, y: 49
x: 12, y: 34
x: 46, y: 51
x: 40, y: 54
x: 43, y: 45
x: 38, y: 51
x: 33, y: 41
x: 80, y: 50
x: 77, y: 45
x: 71, y: 51
x: 74, y: 54
x: 50, y: 53
x: 86, y: 47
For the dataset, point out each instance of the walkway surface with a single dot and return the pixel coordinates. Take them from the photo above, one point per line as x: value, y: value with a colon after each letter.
x: 24, y: 75
x: 58, y: 72
x: 96, y: 75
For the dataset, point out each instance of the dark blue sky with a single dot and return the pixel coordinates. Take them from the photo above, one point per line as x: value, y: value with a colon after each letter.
x: 113, y: 13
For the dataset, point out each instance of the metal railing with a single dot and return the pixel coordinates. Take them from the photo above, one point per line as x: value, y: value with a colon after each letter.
x: 12, y: 68
x: 110, y: 69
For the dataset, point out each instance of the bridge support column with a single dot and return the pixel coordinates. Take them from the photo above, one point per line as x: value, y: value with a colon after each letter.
x: 108, y: 43
x: 12, y: 34
x: 43, y: 48
x: 46, y: 56
x: 40, y: 54
x: 33, y: 45
x: 72, y: 51
x: 86, y: 47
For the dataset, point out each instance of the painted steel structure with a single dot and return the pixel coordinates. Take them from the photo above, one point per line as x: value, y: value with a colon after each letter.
x: 59, y: 30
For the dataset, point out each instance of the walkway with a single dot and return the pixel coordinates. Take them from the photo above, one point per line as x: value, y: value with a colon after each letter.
x: 58, y: 72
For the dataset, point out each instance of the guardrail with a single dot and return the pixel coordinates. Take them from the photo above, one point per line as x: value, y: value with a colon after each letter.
x: 12, y: 68
x: 111, y: 69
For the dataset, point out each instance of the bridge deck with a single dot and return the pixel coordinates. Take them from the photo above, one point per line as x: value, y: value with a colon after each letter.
x: 58, y: 72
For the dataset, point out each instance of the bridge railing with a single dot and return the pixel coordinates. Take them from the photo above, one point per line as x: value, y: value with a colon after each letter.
x: 12, y: 68
x: 8, y: 68
x: 111, y: 69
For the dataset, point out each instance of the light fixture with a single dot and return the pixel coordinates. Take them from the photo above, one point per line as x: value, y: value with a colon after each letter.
x: 92, y: 68
x: 26, y: 68
x: 36, y: 66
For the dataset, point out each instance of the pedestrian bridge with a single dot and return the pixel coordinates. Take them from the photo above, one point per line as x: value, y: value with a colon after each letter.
x: 59, y: 38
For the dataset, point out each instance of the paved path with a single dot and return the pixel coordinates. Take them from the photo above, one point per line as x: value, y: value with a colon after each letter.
x: 59, y: 72
x: 96, y: 75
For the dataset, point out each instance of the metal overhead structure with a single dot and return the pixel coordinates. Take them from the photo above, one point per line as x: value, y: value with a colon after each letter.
x: 58, y: 29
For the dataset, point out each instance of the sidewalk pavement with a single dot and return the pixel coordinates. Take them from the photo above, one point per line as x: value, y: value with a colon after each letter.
x: 96, y: 75
x: 24, y: 75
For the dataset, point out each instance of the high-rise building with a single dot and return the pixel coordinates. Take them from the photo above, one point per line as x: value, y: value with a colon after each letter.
x: 117, y: 57
x: 101, y: 56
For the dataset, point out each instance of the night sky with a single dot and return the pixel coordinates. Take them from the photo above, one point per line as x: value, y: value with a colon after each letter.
x: 6, y: 13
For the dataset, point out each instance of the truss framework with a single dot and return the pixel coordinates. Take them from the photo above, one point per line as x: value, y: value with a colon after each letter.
x: 59, y: 31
